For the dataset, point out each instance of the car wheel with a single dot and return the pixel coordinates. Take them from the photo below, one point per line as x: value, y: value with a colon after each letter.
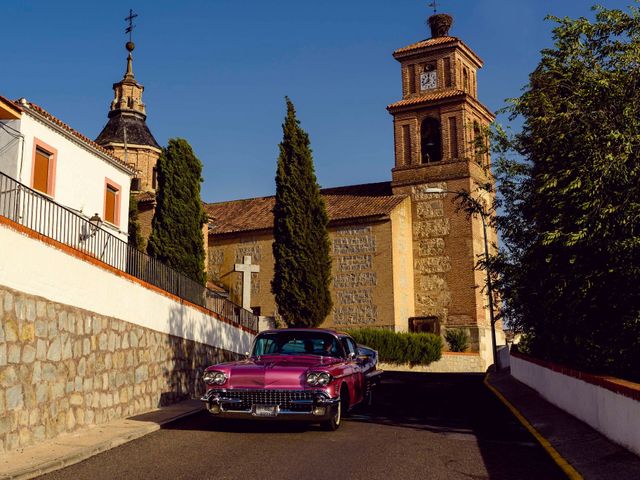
x: 336, y: 420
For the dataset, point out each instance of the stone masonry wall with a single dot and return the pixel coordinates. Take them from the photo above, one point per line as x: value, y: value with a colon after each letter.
x: 432, y: 260
x: 355, y: 279
x: 62, y: 368
x: 362, y: 273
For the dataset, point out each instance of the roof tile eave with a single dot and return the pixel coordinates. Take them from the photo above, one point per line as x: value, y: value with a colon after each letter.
x: 444, y: 95
x: 332, y: 222
x: 38, y: 109
x: 441, y: 42
x: 426, y: 43
x: 11, y: 103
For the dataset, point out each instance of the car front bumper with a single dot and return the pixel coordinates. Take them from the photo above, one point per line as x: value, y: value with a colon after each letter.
x: 226, y: 404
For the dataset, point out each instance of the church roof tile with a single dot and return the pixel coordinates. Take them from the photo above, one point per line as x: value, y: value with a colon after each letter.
x: 437, y: 43
x: 429, y: 97
x: 343, y: 203
x: 137, y: 132
x: 429, y: 42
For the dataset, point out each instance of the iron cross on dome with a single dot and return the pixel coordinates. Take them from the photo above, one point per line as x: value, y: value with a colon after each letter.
x: 131, y: 26
x: 434, y: 5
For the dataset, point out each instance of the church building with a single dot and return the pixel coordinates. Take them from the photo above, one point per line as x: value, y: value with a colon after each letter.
x: 403, y: 257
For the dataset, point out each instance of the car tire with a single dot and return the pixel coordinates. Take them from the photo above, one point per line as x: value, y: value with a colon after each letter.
x: 335, y: 421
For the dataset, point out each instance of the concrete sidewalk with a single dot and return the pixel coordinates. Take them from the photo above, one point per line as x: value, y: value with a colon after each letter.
x: 71, y: 448
x: 588, y: 453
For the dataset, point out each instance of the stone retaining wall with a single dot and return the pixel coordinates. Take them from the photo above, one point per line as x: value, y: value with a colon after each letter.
x: 62, y: 368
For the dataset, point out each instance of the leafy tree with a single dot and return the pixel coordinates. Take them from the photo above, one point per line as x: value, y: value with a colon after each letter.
x: 569, y: 185
x: 176, y: 235
x: 302, y: 270
x: 136, y: 240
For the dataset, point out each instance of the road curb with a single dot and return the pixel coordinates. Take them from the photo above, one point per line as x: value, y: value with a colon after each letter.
x: 564, y: 465
x: 95, y: 449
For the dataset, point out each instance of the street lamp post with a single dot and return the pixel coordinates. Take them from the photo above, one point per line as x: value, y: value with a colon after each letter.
x: 477, y: 208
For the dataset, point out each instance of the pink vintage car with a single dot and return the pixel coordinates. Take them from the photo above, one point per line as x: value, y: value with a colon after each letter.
x: 313, y: 375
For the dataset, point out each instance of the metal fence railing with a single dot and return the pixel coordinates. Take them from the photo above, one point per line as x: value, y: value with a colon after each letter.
x: 37, y: 212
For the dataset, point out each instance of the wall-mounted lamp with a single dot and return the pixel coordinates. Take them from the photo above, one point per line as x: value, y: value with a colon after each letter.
x: 95, y: 221
x: 94, y: 225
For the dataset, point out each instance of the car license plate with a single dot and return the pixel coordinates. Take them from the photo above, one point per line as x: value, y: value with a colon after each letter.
x: 265, y: 410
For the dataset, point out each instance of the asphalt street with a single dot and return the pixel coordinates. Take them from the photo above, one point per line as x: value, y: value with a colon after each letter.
x: 421, y: 426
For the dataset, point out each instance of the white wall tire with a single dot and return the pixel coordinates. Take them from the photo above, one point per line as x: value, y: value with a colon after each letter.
x: 336, y: 420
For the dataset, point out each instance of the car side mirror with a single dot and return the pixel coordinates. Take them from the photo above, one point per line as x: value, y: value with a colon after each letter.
x: 247, y: 355
x: 351, y: 355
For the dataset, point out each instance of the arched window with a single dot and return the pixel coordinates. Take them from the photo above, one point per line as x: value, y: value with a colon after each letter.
x: 465, y: 79
x: 430, y: 140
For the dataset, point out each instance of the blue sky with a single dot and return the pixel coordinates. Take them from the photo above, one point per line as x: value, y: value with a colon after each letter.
x: 216, y: 72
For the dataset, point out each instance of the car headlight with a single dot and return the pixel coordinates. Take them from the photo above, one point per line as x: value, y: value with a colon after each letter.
x: 214, y: 378
x: 318, y: 378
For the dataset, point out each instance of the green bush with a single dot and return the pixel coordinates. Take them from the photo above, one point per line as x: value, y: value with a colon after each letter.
x: 392, y: 347
x: 458, y: 339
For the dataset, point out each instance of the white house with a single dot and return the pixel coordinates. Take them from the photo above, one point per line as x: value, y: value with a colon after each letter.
x: 49, y: 156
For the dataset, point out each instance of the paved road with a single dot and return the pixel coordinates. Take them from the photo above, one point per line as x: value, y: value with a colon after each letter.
x: 422, y: 426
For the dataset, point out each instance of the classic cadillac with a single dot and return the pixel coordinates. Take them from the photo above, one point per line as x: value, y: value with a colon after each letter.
x: 314, y: 375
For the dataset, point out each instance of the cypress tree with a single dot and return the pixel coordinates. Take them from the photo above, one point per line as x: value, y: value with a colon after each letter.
x: 176, y: 235
x: 302, y: 270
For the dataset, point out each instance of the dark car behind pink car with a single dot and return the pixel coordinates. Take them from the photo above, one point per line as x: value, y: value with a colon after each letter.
x: 313, y: 375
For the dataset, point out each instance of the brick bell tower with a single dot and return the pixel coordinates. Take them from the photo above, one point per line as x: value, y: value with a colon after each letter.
x: 438, y: 125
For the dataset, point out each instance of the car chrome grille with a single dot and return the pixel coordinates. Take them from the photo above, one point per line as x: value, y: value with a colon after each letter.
x: 283, y: 398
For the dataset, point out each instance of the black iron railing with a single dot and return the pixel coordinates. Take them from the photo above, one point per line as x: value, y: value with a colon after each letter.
x: 39, y: 213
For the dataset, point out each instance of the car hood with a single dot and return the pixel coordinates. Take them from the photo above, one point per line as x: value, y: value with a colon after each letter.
x: 273, y: 371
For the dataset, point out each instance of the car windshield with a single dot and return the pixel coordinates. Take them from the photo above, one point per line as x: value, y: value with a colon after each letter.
x: 297, y: 343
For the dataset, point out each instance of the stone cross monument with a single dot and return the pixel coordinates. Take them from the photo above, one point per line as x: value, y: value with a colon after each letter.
x: 247, y: 269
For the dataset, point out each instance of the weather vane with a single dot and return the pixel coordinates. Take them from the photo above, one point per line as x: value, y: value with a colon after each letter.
x: 434, y: 5
x: 131, y: 26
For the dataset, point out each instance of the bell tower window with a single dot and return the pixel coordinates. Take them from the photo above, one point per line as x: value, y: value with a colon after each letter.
x: 430, y: 140
x: 465, y: 79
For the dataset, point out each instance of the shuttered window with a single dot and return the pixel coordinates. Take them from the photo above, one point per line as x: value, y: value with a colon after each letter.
x: 111, y: 204
x: 41, y: 171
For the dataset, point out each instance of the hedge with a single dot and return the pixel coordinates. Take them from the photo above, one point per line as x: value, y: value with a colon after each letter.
x: 392, y: 347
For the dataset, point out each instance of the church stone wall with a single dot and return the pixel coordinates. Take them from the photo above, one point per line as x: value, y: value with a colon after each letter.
x: 224, y: 253
x: 362, y: 277
x: 143, y: 159
x: 145, y: 217
x: 362, y: 273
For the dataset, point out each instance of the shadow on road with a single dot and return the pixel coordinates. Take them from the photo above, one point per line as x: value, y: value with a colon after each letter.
x: 459, y: 406
x: 456, y: 407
